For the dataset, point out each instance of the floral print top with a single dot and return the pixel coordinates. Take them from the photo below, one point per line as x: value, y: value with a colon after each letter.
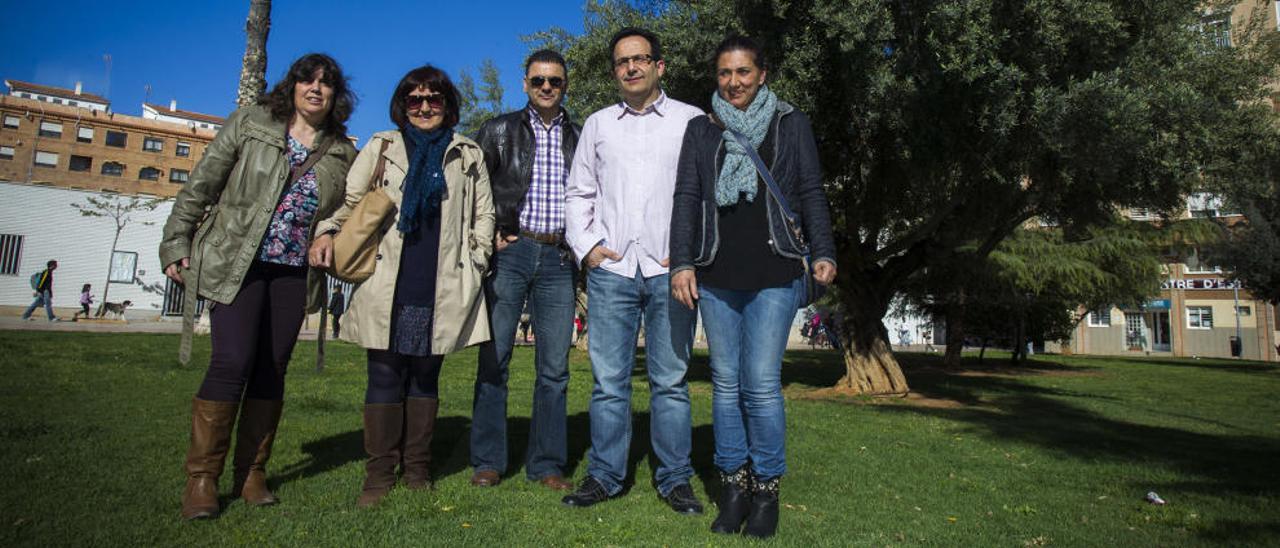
x: 286, y: 238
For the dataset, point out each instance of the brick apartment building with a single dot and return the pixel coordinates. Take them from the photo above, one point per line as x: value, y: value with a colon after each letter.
x: 71, y: 139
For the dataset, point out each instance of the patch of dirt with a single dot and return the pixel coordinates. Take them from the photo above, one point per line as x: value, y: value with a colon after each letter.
x: 1004, y: 372
x: 845, y: 395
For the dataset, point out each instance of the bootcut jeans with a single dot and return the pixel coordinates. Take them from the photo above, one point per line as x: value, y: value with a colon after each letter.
x: 543, y: 274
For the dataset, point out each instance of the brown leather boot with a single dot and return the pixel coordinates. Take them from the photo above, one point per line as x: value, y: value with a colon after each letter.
x: 383, y: 432
x: 419, y: 425
x: 255, y: 434
x: 211, y: 423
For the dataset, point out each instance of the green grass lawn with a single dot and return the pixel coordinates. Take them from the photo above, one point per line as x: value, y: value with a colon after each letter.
x: 1057, y: 452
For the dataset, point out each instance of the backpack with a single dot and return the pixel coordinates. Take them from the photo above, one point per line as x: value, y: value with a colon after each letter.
x: 35, y: 280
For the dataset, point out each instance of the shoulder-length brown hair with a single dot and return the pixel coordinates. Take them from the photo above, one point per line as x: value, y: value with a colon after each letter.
x: 280, y: 100
x: 433, y: 79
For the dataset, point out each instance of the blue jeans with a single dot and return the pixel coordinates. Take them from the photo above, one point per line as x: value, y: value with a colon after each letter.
x: 539, y: 272
x: 747, y: 334
x: 44, y: 298
x: 617, y: 306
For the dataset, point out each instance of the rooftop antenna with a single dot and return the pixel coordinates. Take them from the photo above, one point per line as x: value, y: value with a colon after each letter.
x: 106, y: 59
x: 146, y: 97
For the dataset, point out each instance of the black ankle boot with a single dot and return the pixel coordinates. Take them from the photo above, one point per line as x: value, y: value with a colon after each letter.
x: 762, y: 522
x: 734, y: 501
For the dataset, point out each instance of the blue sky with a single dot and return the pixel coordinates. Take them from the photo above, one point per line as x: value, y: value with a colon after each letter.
x: 191, y: 51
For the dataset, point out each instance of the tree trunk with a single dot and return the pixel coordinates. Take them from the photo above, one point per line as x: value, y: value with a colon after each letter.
x: 253, y: 69
x: 111, y: 259
x: 982, y: 351
x: 870, y: 366
x: 955, y: 331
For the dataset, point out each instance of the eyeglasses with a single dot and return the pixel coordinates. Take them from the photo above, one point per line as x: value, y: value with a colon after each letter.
x: 641, y: 60
x: 538, y: 81
x: 435, y: 101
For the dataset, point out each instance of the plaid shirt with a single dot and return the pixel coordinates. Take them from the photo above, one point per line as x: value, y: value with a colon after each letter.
x: 543, y: 211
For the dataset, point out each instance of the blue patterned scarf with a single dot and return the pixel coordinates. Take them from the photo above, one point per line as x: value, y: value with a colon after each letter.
x: 424, y: 184
x: 738, y: 174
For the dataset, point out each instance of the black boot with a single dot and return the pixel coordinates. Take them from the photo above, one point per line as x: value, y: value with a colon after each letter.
x: 763, y: 520
x: 734, y: 501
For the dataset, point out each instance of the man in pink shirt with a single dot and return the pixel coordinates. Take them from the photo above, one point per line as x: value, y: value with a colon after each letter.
x: 618, y: 214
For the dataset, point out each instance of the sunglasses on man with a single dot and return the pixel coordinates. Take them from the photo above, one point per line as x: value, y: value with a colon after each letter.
x: 538, y: 81
x: 435, y: 101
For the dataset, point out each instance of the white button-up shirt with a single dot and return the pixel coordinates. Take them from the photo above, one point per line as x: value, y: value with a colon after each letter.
x: 622, y: 181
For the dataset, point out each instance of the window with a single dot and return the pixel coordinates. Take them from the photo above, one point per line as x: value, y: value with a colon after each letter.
x: 113, y: 169
x: 80, y: 163
x: 10, y: 254
x: 57, y: 101
x: 1204, y: 213
x: 11, y: 121
x: 51, y: 129
x: 1219, y: 30
x: 1200, y: 317
x: 1100, y: 317
x: 117, y: 139
x: 152, y: 144
x: 179, y: 175
x: 84, y: 134
x: 72, y: 103
x: 1195, y: 265
x: 182, y: 149
x: 1244, y: 311
x: 124, y: 266
x: 1142, y: 214
x: 6, y: 153
x: 46, y: 159
x: 149, y: 174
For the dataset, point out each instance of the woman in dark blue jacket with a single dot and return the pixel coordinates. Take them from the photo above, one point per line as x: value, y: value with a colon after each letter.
x: 732, y: 252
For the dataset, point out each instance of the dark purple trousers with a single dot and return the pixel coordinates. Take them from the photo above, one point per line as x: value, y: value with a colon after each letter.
x: 253, y: 337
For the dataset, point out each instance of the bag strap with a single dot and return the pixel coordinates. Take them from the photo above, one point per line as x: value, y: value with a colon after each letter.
x: 764, y: 173
x: 312, y: 159
x: 381, y: 168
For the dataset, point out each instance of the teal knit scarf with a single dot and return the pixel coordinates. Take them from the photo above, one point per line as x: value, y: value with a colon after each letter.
x: 738, y: 174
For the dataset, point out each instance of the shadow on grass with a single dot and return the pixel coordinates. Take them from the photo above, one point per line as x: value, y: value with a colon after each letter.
x: 448, y: 452
x: 1234, y: 366
x: 1007, y: 407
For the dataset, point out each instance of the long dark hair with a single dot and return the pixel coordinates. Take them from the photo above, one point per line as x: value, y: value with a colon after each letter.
x: 280, y: 99
x: 433, y: 79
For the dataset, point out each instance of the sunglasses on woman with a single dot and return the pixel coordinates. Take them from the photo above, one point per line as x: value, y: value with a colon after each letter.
x: 538, y: 81
x: 435, y: 101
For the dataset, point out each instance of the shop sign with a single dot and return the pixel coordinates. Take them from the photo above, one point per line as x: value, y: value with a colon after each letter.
x: 1199, y: 283
x: 1158, y: 304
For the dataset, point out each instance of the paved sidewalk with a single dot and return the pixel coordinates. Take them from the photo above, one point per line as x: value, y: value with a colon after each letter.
x: 171, y: 326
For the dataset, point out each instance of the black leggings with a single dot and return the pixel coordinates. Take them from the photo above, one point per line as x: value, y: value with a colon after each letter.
x: 394, y: 376
x: 253, y: 337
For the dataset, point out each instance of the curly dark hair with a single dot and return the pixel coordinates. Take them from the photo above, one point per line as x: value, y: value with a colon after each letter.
x: 433, y: 79
x: 280, y: 99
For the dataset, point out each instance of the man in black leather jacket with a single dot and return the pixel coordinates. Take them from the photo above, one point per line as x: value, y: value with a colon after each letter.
x: 528, y: 153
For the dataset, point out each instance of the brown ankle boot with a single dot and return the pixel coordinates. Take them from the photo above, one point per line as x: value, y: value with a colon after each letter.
x: 383, y: 432
x: 257, y: 431
x: 419, y: 425
x: 211, y: 423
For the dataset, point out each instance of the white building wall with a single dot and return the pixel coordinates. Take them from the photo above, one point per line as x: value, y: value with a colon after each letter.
x: 152, y: 114
x: 52, y: 229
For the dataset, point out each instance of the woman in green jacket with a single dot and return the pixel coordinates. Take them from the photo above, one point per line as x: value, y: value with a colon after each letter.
x: 238, y: 236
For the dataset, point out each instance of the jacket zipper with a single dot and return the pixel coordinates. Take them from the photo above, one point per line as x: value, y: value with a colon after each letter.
x: 715, y: 216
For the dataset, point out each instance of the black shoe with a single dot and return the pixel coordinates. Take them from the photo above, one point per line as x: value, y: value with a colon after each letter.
x: 682, y: 500
x: 734, y: 502
x: 762, y: 522
x: 588, y: 493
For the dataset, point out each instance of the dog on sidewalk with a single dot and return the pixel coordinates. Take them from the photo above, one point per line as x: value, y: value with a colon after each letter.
x: 116, y: 309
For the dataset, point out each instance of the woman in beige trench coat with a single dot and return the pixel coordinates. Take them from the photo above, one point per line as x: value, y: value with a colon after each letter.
x: 424, y: 299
